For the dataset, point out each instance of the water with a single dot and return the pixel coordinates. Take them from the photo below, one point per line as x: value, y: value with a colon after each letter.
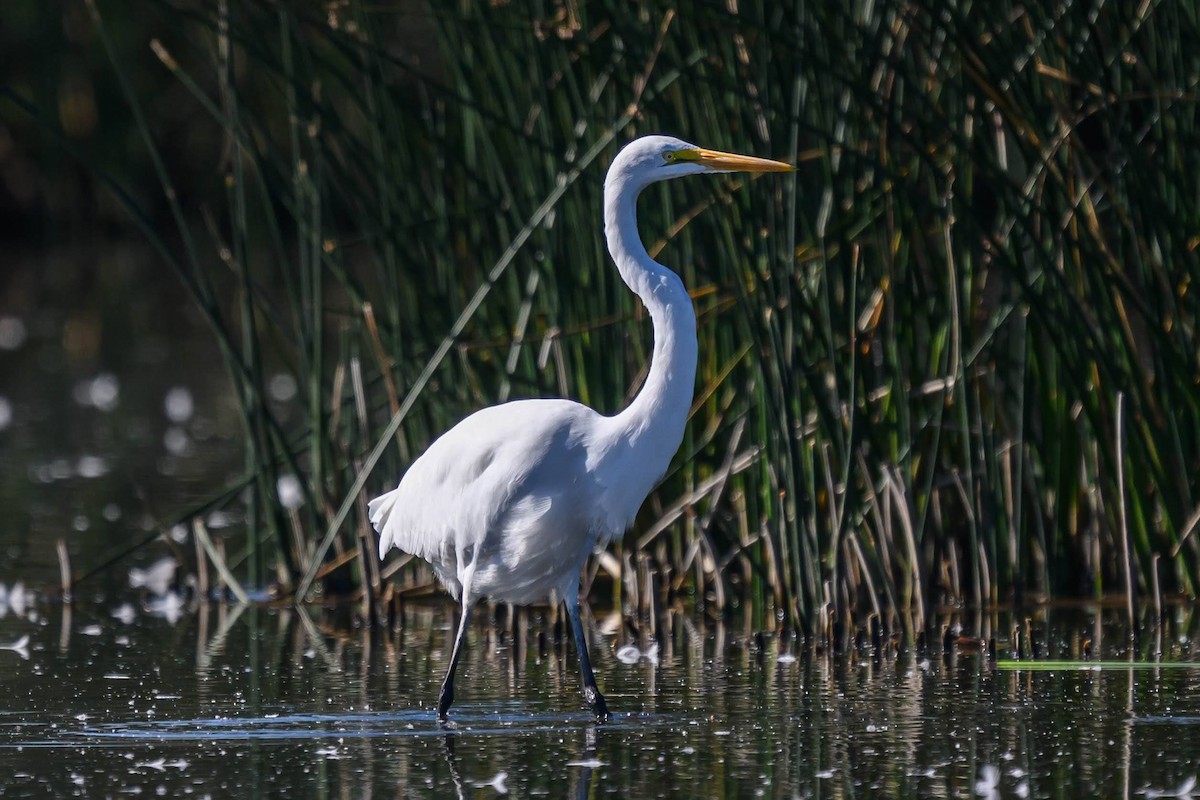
x: 242, y: 701
x: 142, y: 691
x: 116, y: 412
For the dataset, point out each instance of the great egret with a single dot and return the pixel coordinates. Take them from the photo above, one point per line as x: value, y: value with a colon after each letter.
x: 509, y: 502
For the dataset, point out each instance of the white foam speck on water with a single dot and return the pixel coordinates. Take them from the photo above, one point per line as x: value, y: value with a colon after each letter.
x: 222, y: 519
x: 176, y: 441
x: 291, y: 494
x: 20, y: 647
x: 16, y: 599
x: 1185, y: 789
x: 630, y: 654
x: 12, y: 333
x: 91, y: 466
x: 169, y: 607
x: 178, y: 404
x: 102, y: 392
x: 497, y: 782
x: 281, y: 387
x: 156, y: 578
x: 989, y: 781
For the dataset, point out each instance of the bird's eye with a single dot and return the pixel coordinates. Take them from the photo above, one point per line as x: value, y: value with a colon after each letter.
x: 681, y: 156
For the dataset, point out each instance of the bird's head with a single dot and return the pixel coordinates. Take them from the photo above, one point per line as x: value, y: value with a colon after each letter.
x: 658, y: 158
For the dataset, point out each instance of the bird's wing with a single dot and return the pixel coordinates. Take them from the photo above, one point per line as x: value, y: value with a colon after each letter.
x: 379, y: 511
x: 475, y: 481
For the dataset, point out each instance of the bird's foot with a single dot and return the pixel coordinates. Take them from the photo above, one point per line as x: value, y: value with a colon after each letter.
x: 445, y: 700
x: 595, y: 701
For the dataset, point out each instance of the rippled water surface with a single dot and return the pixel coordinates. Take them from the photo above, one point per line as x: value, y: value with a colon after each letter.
x: 228, y: 701
x: 137, y: 689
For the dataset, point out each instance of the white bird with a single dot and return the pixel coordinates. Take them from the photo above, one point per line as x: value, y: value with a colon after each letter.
x: 509, y: 502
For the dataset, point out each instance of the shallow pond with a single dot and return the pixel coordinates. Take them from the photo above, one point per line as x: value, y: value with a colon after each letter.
x: 141, y: 691
x: 244, y: 701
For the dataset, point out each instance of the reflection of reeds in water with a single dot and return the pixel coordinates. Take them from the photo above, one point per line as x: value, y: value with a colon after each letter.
x: 912, y: 356
x: 722, y: 708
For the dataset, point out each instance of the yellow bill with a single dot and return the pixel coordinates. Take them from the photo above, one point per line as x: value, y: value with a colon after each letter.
x: 732, y: 162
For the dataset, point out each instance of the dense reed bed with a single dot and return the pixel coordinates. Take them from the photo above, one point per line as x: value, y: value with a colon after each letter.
x: 952, y: 360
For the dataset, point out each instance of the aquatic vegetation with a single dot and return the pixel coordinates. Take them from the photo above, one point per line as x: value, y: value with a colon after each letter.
x: 956, y: 360
x: 232, y: 702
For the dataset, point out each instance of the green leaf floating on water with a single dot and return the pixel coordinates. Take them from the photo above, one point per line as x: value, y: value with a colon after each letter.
x: 1046, y: 666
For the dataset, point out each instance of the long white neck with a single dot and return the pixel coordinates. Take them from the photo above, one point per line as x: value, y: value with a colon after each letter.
x: 652, y: 425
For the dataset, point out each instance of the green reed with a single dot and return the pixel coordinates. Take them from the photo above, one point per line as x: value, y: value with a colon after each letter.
x: 911, y: 351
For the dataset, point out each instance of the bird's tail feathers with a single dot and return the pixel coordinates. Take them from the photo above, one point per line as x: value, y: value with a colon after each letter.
x: 379, y: 510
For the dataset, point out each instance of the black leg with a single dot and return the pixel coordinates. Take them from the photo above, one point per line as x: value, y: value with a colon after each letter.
x: 446, y: 697
x: 591, y: 693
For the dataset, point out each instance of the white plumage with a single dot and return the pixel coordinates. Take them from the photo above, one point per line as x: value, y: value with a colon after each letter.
x: 509, y: 503
x: 514, y: 490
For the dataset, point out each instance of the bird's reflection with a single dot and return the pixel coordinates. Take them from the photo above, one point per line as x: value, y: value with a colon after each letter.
x: 583, y: 786
x: 452, y: 764
x: 581, y: 780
